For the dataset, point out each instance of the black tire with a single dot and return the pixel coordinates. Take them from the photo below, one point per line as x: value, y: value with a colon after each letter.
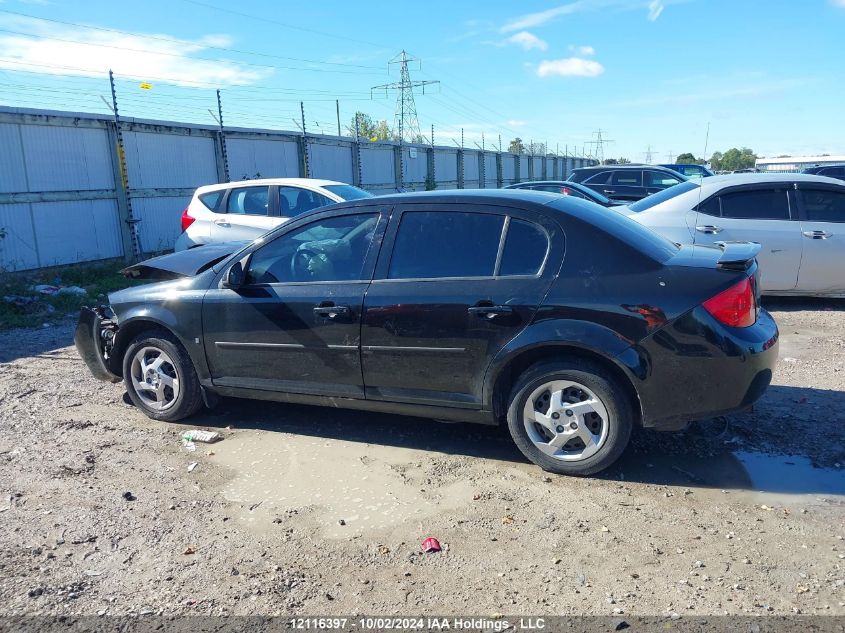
x: 189, y: 398
x: 603, y: 385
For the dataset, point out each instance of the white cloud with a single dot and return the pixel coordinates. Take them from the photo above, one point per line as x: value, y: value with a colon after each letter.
x: 569, y: 67
x: 586, y: 51
x: 655, y: 8
x: 838, y: 3
x: 532, y: 20
x: 541, y: 17
x: 89, y: 54
x: 516, y: 123
x: 528, y: 41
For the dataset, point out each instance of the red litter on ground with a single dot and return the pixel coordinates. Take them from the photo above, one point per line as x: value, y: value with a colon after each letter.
x: 430, y: 544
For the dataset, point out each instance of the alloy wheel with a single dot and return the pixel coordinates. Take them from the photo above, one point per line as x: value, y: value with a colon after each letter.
x: 155, y: 378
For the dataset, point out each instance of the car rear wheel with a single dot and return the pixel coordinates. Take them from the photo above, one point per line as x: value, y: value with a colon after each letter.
x: 570, y: 417
x: 160, y: 377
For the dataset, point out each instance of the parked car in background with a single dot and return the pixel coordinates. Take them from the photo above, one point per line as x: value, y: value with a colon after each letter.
x: 690, y: 170
x: 565, y: 188
x: 568, y: 323
x: 626, y: 182
x: 831, y: 171
x: 799, y: 219
x: 244, y: 210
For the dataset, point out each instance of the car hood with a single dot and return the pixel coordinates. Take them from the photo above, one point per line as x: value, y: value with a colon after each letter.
x: 183, y: 263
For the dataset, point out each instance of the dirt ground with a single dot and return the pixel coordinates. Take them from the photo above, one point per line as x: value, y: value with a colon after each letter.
x: 306, y: 511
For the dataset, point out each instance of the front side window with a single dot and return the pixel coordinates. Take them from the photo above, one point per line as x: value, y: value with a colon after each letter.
x: 348, y: 192
x: 628, y: 178
x: 294, y: 201
x: 756, y: 204
x: 332, y: 249
x: 526, y: 245
x: 438, y: 244
x: 824, y: 205
x: 248, y: 201
x: 660, y: 179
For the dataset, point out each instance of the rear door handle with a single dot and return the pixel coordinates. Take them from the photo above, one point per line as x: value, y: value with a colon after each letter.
x: 817, y: 235
x: 489, y: 312
x: 709, y: 229
x: 222, y: 223
x: 332, y: 311
x: 610, y: 191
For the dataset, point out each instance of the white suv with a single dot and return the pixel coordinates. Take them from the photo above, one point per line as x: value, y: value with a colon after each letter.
x: 242, y: 211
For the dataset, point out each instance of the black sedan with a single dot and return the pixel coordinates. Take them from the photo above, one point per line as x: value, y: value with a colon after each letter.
x: 566, y: 188
x: 535, y: 310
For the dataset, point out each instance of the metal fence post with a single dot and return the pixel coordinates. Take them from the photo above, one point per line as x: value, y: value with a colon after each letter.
x: 482, y: 171
x: 517, y: 168
x: 460, y: 158
x: 499, y: 179
x: 397, y: 166
x: 122, y: 194
x: 356, y: 155
x: 431, y: 177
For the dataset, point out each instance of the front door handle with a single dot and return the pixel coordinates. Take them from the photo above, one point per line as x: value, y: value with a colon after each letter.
x: 332, y: 311
x: 817, y: 235
x: 709, y: 229
x: 610, y: 191
x: 222, y: 223
x: 489, y: 312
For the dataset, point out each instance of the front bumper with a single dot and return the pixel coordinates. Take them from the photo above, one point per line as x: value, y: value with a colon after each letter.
x: 699, y: 368
x: 92, y: 344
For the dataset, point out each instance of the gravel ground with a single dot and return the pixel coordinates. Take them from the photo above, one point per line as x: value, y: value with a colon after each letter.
x: 304, y: 510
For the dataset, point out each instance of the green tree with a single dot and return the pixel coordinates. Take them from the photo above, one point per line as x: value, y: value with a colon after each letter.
x: 688, y: 158
x: 735, y: 159
x: 368, y: 128
x: 516, y: 146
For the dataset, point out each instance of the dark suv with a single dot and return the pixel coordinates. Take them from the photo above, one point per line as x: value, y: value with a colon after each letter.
x: 569, y: 324
x: 831, y: 171
x: 627, y: 182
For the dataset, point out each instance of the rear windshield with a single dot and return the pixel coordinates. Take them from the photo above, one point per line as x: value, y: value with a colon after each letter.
x: 662, y: 196
x: 348, y: 192
x: 622, y: 228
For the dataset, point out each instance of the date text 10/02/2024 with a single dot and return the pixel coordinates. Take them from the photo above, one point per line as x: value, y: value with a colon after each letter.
x: 416, y: 623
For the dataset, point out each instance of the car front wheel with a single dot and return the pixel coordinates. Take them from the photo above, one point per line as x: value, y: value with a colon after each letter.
x: 160, y: 377
x: 570, y: 417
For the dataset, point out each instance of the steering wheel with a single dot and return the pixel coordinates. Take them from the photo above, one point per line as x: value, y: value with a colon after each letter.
x: 299, y: 264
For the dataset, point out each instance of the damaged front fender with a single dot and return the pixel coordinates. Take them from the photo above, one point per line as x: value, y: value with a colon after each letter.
x: 94, y: 338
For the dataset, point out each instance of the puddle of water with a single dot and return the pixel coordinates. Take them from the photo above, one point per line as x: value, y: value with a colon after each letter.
x: 352, y: 481
x: 791, y: 474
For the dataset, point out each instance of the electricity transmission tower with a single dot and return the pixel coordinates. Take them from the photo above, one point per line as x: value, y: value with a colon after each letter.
x: 405, y: 118
x: 649, y: 155
x: 598, y: 143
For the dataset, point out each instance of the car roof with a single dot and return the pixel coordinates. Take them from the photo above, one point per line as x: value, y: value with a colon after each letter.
x: 727, y: 180
x: 538, y: 182
x: 490, y: 196
x: 624, y: 166
x: 293, y: 182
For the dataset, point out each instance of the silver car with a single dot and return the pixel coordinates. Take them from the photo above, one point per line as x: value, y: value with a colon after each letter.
x: 799, y: 219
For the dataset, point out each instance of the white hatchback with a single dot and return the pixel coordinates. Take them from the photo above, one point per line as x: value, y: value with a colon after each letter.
x: 798, y: 219
x: 244, y: 210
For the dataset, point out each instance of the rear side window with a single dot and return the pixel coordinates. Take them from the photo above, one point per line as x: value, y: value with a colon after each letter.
x: 756, y: 204
x: 833, y: 172
x: 211, y: 199
x: 628, y: 178
x: 599, y: 179
x: 348, y: 192
x: 660, y: 179
x: 526, y: 245
x: 248, y: 201
x: 437, y: 244
x: 824, y: 205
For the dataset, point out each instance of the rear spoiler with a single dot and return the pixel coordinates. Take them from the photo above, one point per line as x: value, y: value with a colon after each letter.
x: 737, y: 255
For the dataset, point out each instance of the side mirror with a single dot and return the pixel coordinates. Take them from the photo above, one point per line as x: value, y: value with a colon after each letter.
x: 234, y: 277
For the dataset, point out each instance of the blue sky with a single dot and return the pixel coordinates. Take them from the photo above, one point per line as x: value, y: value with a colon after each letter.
x: 764, y: 74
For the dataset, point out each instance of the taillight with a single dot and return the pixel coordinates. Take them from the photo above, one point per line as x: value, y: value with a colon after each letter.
x: 736, y: 306
x: 187, y: 219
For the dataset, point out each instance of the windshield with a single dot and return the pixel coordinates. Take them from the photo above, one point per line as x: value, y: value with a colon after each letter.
x: 348, y: 192
x: 662, y: 196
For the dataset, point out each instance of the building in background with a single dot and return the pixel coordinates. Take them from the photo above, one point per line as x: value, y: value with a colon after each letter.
x: 797, y: 163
